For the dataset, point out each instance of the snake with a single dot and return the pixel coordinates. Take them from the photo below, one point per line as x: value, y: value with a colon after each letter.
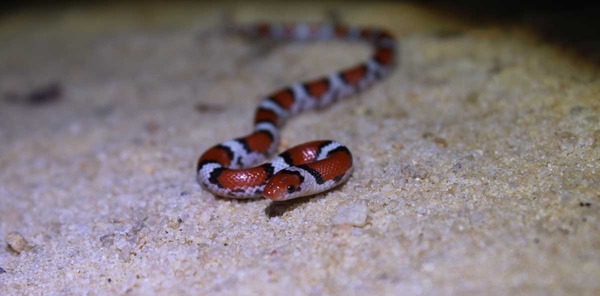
x: 237, y: 168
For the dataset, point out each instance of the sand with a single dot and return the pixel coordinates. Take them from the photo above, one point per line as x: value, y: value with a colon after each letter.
x: 477, y: 159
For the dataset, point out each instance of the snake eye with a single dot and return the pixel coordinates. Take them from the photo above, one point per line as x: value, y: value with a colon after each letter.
x: 291, y: 189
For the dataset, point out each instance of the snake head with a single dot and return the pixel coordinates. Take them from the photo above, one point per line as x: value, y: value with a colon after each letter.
x: 284, y: 185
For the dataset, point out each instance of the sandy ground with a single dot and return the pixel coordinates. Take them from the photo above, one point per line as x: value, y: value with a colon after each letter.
x: 477, y: 160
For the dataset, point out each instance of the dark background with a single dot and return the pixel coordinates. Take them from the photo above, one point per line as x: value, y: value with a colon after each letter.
x: 573, y: 25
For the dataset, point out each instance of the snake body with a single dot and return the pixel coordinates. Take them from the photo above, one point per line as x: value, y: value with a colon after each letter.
x: 229, y: 169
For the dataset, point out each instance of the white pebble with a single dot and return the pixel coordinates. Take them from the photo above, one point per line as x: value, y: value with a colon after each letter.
x: 352, y: 214
x: 387, y: 188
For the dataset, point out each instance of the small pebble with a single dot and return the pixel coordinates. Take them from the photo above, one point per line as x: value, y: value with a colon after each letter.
x: 352, y: 214
x: 577, y: 109
x: 46, y: 94
x: 457, y: 167
x: 388, y: 188
x: 2, y: 270
x: 440, y: 142
x: 207, y: 108
x: 136, y: 228
x: 152, y: 127
x: 17, y: 242
x: 107, y: 240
